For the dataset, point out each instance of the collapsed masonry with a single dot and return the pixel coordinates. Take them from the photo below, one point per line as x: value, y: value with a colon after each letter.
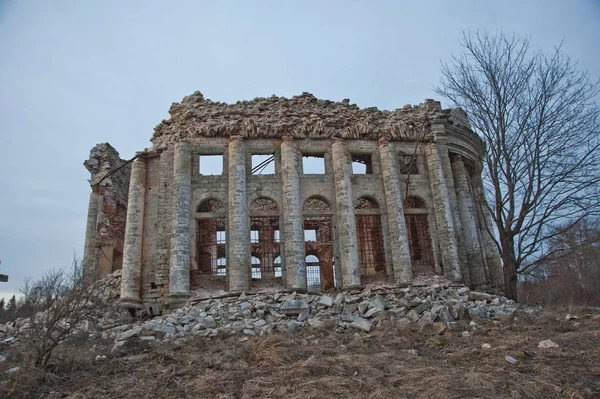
x: 300, y: 194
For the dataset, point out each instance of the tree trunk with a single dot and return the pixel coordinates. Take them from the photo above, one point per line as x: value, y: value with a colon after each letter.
x: 509, y: 261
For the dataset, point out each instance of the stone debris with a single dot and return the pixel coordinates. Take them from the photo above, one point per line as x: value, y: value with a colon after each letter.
x: 435, y: 309
x: 511, y: 359
x: 256, y: 314
x: 547, y: 344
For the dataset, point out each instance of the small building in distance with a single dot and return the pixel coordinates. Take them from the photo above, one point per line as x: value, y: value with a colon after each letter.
x: 299, y: 193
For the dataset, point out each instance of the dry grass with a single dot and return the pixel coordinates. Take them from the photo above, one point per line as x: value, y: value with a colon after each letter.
x: 325, y: 364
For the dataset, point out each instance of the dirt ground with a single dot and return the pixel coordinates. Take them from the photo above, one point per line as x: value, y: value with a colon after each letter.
x: 391, y: 362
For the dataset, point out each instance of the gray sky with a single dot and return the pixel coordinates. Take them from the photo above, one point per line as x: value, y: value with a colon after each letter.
x: 77, y: 73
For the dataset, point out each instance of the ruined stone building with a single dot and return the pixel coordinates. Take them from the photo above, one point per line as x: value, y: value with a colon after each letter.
x: 300, y: 193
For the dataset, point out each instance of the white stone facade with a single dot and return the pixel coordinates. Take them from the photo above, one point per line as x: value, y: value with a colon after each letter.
x: 412, y: 210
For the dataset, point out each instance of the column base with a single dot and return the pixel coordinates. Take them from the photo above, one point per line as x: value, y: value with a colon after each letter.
x: 403, y: 284
x: 299, y: 290
x: 131, y: 303
x: 352, y: 287
x: 176, y: 301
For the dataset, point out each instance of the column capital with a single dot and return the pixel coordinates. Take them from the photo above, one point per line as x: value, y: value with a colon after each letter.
x: 338, y: 140
x: 383, y: 141
x: 179, y: 145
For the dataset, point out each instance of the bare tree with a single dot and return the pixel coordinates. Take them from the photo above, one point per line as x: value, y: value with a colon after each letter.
x: 539, y: 117
x: 59, y: 305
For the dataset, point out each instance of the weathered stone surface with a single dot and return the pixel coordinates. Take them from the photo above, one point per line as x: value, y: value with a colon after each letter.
x: 105, y: 229
x: 443, y: 212
x: 547, y: 344
x: 301, y: 116
x: 326, y: 301
x: 293, y: 307
x: 362, y: 324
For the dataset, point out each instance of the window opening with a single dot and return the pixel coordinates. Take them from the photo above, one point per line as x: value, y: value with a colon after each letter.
x: 210, y: 244
x: 264, y: 248
x: 221, y: 267
x: 310, y: 235
x: 210, y: 164
x: 371, y: 256
x: 313, y: 164
x: 256, y: 272
x: 419, y: 243
x: 276, y: 236
x: 361, y: 164
x: 369, y: 234
x: 313, y: 273
x: 254, y: 236
x: 263, y: 164
x: 318, y: 244
x: 277, y: 264
x: 408, y: 164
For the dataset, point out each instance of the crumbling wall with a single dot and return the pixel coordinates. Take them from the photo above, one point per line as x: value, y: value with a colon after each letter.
x: 398, y: 154
x: 107, y: 211
x: 302, y: 116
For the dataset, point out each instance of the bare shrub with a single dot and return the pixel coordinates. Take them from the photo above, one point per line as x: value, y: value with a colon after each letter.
x: 59, y: 305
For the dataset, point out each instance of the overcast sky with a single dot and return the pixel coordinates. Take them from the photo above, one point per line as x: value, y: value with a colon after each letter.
x: 77, y: 73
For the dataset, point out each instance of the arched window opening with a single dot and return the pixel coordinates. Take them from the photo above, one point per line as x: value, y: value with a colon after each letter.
x: 277, y: 264
x: 263, y: 204
x: 369, y: 234
x: 316, y: 204
x: 265, y: 240
x: 211, y: 242
x: 318, y: 243
x: 414, y: 202
x: 211, y: 205
x: 313, y: 273
x: 419, y: 242
x: 365, y: 203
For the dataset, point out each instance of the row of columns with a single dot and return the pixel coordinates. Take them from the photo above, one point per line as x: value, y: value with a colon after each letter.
x: 293, y: 232
x: 179, y: 261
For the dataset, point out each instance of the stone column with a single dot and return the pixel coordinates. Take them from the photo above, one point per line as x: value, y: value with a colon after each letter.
x: 179, y: 262
x: 470, y: 228
x: 238, y: 260
x: 462, y: 254
x: 89, y: 249
x: 398, y: 235
x: 134, y: 230
x: 346, y: 221
x: 490, y: 249
x: 293, y: 229
x: 443, y: 213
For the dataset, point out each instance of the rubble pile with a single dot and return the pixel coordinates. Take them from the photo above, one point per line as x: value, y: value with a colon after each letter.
x: 432, y: 307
